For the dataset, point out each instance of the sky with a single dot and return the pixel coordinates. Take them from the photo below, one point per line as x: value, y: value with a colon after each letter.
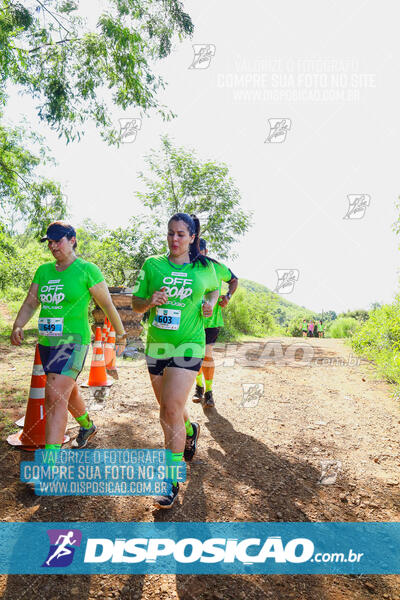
x: 300, y: 100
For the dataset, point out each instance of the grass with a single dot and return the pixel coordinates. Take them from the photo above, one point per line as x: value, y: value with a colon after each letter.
x: 7, y: 426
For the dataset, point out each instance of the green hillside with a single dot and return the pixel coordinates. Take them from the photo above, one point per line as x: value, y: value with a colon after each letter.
x: 281, y: 309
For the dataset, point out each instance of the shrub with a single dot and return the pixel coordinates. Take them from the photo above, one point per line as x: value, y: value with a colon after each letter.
x: 343, y: 328
x: 248, y: 314
x: 379, y: 340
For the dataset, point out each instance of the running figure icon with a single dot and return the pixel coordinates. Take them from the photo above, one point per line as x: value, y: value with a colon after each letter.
x: 62, y: 549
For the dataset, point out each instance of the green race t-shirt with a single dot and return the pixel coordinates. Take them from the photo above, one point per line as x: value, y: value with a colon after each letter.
x: 177, y: 327
x: 65, y: 297
x: 223, y: 274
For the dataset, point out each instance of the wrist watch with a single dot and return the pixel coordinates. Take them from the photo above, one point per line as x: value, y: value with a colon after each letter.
x: 228, y: 295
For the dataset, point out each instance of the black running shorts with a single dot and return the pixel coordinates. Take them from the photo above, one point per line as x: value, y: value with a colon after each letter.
x: 156, y: 366
x: 211, y: 334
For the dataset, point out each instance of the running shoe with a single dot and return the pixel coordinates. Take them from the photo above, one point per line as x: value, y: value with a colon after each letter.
x: 191, y: 443
x: 208, y: 400
x: 84, y: 436
x: 198, y: 394
x: 167, y: 500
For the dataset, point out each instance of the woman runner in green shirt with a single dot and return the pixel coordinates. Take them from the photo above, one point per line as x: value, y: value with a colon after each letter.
x: 64, y: 288
x: 304, y: 328
x: 173, y: 287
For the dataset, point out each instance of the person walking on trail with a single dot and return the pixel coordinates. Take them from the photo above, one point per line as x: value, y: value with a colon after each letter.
x: 63, y: 288
x: 304, y: 328
x: 179, y: 288
x: 321, y: 328
x: 212, y: 326
x: 310, y: 328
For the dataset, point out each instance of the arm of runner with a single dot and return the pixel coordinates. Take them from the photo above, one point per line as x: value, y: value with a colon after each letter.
x: 26, y: 311
x: 210, y: 300
x: 101, y: 295
x: 158, y: 298
x: 233, y: 283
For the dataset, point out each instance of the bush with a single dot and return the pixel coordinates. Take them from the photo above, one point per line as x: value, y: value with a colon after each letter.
x: 247, y: 314
x: 343, y: 328
x: 379, y: 340
x: 19, y: 262
x: 14, y: 294
x: 295, y: 327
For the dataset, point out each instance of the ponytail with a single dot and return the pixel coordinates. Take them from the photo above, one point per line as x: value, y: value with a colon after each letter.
x: 193, y: 225
x: 194, y: 248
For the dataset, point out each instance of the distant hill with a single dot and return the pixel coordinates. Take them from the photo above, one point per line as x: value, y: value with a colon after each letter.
x: 282, y: 310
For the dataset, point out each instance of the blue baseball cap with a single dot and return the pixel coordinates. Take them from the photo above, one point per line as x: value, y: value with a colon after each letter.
x: 56, y: 232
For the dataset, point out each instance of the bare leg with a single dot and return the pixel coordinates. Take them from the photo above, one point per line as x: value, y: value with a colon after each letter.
x: 157, y: 383
x: 57, y: 393
x: 172, y: 390
x: 76, y: 404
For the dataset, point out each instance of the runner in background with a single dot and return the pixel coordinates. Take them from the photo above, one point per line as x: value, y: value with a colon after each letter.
x: 64, y: 289
x: 304, y: 328
x: 320, y: 328
x: 179, y: 289
x: 310, y: 332
x: 212, y: 326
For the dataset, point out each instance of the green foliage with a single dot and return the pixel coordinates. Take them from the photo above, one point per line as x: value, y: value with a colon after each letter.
x: 180, y: 182
x: 327, y: 315
x: 286, y: 314
x: 295, y: 327
x: 49, y: 51
x: 19, y: 260
x: 379, y: 340
x: 343, y: 327
x: 247, y: 314
x: 118, y: 253
x: 359, y: 314
x: 25, y: 196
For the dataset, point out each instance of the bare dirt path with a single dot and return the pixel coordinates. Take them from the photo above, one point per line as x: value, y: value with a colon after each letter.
x: 293, y: 437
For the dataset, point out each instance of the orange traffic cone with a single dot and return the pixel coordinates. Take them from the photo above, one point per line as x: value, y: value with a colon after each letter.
x: 97, y: 374
x: 110, y: 355
x: 106, y: 329
x: 32, y: 436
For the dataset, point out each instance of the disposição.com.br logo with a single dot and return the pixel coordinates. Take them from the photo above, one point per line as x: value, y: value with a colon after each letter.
x: 62, y: 547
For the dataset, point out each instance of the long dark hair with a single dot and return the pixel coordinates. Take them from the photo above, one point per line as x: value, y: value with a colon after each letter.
x: 193, y: 225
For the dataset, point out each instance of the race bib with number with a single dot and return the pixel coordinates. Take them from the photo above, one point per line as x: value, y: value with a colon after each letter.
x: 167, y: 318
x: 52, y: 326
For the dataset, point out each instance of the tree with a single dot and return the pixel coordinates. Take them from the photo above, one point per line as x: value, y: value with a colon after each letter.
x: 180, y: 182
x: 375, y: 305
x: 329, y: 315
x: 119, y: 253
x: 360, y: 314
x: 75, y: 74
x: 25, y: 196
x: 48, y: 51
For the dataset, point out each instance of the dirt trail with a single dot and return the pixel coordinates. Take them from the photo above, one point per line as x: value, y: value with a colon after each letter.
x: 312, y: 438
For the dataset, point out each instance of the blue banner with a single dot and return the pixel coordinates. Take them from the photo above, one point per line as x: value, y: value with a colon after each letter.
x: 200, y: 548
